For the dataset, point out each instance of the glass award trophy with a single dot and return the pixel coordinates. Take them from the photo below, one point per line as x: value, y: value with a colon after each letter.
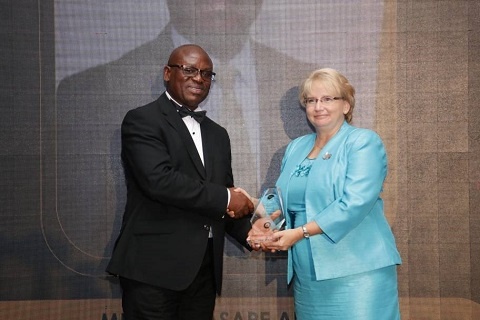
x: 269, y: 213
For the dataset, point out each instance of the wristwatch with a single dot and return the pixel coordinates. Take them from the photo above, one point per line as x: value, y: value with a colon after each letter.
x: 305, y: 232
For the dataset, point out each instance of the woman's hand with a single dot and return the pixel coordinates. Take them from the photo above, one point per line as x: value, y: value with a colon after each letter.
x: 282, y: 240
x: 260, y: 233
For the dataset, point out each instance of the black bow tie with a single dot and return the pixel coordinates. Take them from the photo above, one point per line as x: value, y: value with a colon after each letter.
x: 184, y: 112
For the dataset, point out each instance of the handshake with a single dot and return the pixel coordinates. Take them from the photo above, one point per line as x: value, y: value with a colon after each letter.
x: 241, y: 204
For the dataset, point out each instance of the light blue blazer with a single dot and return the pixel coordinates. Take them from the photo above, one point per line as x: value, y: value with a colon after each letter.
x: 343, y: 197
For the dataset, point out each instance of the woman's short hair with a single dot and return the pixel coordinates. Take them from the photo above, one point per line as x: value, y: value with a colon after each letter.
x: 332, y: 80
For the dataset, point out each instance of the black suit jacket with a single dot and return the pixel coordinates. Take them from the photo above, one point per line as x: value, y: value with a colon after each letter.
x: 172, y: 199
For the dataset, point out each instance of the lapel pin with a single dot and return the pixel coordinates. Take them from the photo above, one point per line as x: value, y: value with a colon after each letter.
x: 326, y: 156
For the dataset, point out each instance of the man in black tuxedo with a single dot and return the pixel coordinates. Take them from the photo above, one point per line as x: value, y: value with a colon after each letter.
x: 91, y: 104
x: 169, y: 254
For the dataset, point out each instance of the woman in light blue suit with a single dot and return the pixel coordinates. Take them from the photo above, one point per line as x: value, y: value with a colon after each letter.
x: 342, y: 253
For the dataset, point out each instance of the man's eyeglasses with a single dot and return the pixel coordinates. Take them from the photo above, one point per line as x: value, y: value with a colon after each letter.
x: 191, y: 72
x: 326, y: 100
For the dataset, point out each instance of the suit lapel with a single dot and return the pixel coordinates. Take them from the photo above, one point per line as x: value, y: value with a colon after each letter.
x: 179, y: 126
x: 209, y: 146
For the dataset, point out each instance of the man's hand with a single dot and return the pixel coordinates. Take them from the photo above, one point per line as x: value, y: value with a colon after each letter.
x: 253, y: 199
x: 240, y: 205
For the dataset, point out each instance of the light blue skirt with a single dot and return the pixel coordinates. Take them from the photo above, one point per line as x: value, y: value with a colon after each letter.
x: 370, y: 295
x: 367, y: 296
